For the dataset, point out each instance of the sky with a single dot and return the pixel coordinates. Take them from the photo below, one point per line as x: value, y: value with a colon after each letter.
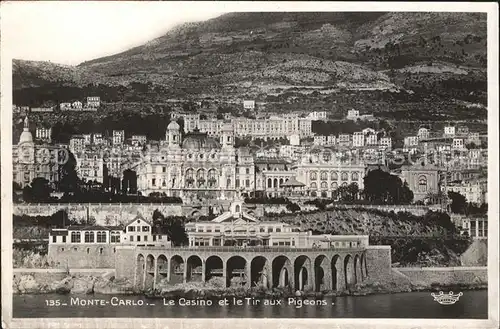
x: 73, y: 32
x: 70, y: 32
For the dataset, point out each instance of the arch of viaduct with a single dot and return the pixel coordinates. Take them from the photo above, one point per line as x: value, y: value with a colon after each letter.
x: 292, y: 268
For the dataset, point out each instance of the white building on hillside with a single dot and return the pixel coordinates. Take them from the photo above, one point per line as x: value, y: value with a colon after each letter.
x: 249, y: 104
x: 358, y: 139
x: 449, y: 131
x: 423, y: 133
x: 317, y: 116
x: 352, y: 115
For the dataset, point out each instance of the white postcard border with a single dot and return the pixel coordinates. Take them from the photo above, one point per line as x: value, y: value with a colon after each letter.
x: 493, y: 187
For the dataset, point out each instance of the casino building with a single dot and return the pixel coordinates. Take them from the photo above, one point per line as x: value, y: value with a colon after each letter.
x: 197, y: 166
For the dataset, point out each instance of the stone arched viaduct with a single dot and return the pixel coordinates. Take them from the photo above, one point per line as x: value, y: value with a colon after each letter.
x: 305, y: 269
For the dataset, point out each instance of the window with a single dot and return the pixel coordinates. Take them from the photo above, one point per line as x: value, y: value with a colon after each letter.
x: 153, y: 181
x: 145, y: 228
x: 247, y: 183
x: 89, y: 237
x: 101, y: 250
x: 212, y: 178
x: 334, y: 186
x: 159, y: 237
x: 324, y: 175
x: 164, y: 169
x: 75, y: 237
x: 115, y: 237
x: 88, y: 250
x: 278, y: 230
x: 138, y: 238
x: 324, y: 185
x: 75, y: 249
x: 313, y: 175
x: 54, y: 239
x: 131, y: 238
x: 314, y: 185
x: 422, y: 184
x: 344, y: 176
x: 237, y: 182
x: 101, y: 236
x: 354, y: 176
x: 64, y: 239
x: 145, y: 238
x: 131, y: 228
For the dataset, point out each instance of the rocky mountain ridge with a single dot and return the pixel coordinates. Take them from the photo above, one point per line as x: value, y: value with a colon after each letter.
x: 261, y: 54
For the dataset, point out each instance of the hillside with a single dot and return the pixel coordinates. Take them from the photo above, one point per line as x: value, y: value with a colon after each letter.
x: 428, y: 55
x: 27, y: 74
x: 429, y: 240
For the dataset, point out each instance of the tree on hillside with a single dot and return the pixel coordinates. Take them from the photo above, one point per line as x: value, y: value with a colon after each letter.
x: 293, y: 207
x: 172, y: 226
x: 441, y: 219
x: 38, y: 191
x: 407, y: 194
x: 347, y: 193
x: 16, y: 188
x: 69, y: 182
x: 380, y: 187
x: 458, y: 202
x: 129, y: 182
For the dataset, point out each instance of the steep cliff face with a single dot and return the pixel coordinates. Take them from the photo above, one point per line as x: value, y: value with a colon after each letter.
x: 476, y: 254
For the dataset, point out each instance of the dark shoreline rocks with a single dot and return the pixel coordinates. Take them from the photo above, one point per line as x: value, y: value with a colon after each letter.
x: 79, y: 284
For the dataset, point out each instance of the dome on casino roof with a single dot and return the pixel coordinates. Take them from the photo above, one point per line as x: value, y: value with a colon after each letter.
x: 173, y: 126
x: 26, y: 137
x: 197, y: 141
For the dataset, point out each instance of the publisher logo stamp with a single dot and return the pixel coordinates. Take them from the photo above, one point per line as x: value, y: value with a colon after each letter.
x: 446, y: 299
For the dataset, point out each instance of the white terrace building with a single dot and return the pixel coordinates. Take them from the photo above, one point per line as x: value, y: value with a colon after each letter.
x: 236, y: 227
x: 138, y: 232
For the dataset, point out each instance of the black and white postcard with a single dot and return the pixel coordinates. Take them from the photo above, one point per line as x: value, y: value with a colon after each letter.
x: 249, y: 164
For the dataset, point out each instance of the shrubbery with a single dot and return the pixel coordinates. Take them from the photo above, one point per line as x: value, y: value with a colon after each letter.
x: 264, y: 200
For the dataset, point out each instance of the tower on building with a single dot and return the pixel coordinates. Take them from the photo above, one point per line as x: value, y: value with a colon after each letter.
x: 227, y: 135
x: 26, y: 136
x: 173, y: 135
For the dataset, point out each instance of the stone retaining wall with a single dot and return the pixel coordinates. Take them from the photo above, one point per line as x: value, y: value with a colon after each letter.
x: 445, y: 275
x: 104, y: 214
